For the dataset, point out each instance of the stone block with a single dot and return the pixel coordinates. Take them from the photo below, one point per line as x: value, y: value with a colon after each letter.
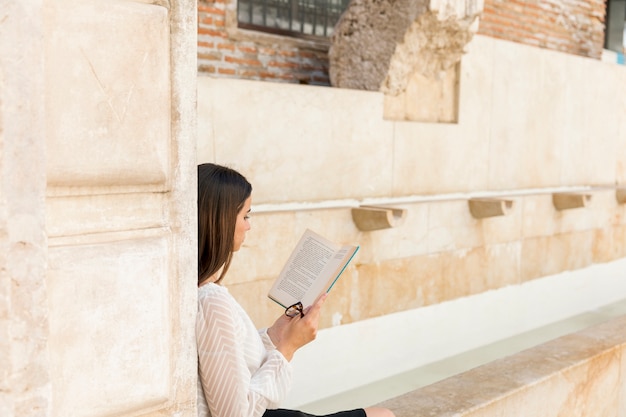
x: 548, y: 255
x: 609, y: 244
x: 108, y: 120
x: 438, y: 159
x: 106, y: 213
x: 90, y: 287
x: 339, y: 139
x: 426, y: 99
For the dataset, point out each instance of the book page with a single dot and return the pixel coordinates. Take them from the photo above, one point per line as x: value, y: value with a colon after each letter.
x: 311, y: 269
x: 308, y: 263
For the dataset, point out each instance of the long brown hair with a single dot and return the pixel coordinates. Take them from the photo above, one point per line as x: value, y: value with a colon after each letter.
x: 222, y: 192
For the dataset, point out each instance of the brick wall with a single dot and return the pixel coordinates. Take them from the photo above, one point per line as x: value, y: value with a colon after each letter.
x: 570, y: 26
x: 254, y: 55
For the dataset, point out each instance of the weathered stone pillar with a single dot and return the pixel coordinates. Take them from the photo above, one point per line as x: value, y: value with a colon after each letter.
x: 24, y: 365
x: 97, y: 208
x: 380, y: 45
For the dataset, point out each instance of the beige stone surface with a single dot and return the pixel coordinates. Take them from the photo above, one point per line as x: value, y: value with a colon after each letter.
x: 339, y: 138
x: 451, y: 226
x: 24, y: 360
x: 125, y: 283
x: 575, y: 375
x: 398, y: 285
x: 436, y: 159
x: 122, y: 138
x: 97, y: 209
x: 543, y: 256
x: 374, y: 289
x: 104, y: 213
x: 408, y: 239
x: 620, y: 138
x: 519, y: 154
x: 432, y: 158
x: 592, y: 137
x: 621, y: 405
x: 427, y: 99
x: 439, y: 253
x: 609, y: 243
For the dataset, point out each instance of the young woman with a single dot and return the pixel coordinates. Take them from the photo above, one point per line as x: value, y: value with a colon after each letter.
x: 243, y: 372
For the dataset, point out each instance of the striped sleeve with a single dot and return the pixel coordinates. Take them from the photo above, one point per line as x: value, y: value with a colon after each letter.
x: 239, y: 376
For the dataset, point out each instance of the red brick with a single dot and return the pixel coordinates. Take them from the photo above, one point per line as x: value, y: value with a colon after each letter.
x: 265, y: 74
x: 282, y: 64
x: 307, y: 54
x: 287, y: 53
x: 213, y: 10
x: 212, y: 32
x: 210, y: 56
x: 249, y: 74
x: 210, y: 69
x: 243, y: 61
x: 226, y: 46
x: 248, y: 49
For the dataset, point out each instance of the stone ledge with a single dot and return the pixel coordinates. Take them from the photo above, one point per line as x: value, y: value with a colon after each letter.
x: 578, y: 374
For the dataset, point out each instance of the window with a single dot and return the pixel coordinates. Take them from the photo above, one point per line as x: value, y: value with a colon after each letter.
x: 615, y: 25
x: 301, y: 18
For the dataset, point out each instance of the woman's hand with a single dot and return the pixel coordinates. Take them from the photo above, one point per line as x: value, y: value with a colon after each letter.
x: 290, y: 334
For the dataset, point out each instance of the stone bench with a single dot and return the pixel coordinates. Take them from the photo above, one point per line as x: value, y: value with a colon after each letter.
x: 580, y: 374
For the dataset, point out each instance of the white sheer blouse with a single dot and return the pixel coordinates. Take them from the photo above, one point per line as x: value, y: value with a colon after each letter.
x: 241, y: 374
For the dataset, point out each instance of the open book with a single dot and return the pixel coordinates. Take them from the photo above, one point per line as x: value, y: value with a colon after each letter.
x: 313, y: 267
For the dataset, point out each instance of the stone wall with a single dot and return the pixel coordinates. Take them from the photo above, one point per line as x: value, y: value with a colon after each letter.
x: 571, y: 26
x: 525, y: 130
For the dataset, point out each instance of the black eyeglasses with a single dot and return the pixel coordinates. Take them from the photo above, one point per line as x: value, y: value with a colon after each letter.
x: 294, y: 310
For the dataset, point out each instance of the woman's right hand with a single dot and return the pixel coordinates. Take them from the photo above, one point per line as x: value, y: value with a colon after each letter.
x: 290, y: 334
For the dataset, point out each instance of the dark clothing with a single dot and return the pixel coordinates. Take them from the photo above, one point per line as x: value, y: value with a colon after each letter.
x: 359, y: 412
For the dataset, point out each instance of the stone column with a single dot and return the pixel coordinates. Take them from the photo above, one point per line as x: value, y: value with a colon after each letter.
x: 97, y: 208
x: 24, y: 365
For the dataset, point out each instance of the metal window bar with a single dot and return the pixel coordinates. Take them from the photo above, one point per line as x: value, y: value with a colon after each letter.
x: 291, y: 17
